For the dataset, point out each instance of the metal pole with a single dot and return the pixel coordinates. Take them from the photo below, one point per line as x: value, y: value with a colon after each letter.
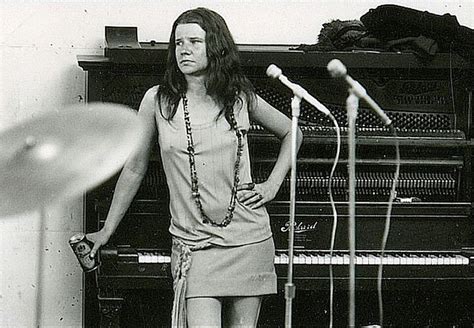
x: 352, y: 104
x: 290, y: 288
x: 40, y: 269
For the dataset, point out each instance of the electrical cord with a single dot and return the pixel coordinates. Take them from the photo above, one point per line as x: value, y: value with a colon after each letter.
x: 335, y: 219
x: 393, y: 194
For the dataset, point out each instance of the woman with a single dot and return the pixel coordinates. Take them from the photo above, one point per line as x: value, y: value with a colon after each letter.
x: 223, y: 251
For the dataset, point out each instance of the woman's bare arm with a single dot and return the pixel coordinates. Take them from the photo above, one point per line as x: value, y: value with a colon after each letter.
x: 132, y: 173
x: 280, y: 125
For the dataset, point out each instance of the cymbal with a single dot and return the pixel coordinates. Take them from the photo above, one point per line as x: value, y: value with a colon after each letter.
x: 64, y: 153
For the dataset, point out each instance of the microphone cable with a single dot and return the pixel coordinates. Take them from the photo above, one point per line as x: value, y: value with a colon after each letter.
x: 393, y: 194
x: 335, y: 219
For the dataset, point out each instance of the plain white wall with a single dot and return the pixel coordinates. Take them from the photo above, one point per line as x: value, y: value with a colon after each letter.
x: 39, y: 42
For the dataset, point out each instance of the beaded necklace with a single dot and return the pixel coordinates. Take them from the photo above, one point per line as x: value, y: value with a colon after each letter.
x: 194, y: 179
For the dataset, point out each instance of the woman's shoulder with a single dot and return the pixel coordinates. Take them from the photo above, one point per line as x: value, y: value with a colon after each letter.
x: 149, y: 99
x: 151, y: 93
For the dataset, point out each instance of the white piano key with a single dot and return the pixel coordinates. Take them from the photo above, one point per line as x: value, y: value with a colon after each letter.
x: 446, y: 260
x: 389, y: 260
x: 452, y: 260
x: 302, y: 258
x: 428, y: 259
x: 297, y: 259
x: 277, y: 259
x: 434, y: 259
x: 465, y: 260
x: 372, y: 259
x: 461, y: 260
x: 327, y: 259
x: 441, y: 259
x: 403, y: 260
x: 396, y: 259
x: 378, y: 260
x: 416, y: 260
x: 365, y: 259
x: 346, y: 259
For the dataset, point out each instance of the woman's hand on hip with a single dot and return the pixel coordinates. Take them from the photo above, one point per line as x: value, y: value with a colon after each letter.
x: 255, y: 195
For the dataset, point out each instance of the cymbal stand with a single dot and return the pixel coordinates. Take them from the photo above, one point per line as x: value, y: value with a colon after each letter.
x: 290, y: 288
x: 40, y: 269
x: 352, y: 104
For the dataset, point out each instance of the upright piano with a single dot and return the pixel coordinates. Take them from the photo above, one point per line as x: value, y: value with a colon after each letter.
x: 428, y: 275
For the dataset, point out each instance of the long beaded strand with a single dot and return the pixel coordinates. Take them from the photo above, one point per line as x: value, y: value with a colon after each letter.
x: 194, y: 179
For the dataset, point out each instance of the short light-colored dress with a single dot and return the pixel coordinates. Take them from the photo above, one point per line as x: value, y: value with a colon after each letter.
x: 236, y: 260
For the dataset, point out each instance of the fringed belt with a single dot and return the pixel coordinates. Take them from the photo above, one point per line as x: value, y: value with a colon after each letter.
x: 183, y: 263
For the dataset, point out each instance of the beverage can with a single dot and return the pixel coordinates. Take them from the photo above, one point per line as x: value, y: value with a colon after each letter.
x: 82, y: 248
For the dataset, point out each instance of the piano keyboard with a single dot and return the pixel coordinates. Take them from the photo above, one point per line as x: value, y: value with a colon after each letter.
x: 342, y: 258
x: 361, y: 258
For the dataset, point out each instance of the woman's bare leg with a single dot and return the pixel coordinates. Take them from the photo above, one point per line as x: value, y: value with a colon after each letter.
x: 204, y: 312
x: 241, y: 311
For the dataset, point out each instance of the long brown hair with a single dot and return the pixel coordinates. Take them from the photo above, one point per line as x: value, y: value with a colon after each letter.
x: 225, y: 81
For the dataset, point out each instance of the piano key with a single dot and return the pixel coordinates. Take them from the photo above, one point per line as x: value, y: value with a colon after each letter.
x: 277, y: 259
x: 298, y: 259
x: 403, y: 259
x: 327, y: 259
x: 371, y: 259
x: 428, y: 260
x: 365, y: 260
x: 317, y: 259
x: 389, y: 260
x: 397, y: 259
x: 308, y: 259
x: 345, y: 259
x: 446, y: 260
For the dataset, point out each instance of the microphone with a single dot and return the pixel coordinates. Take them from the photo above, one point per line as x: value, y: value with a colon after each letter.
x: 275, y: 72
x: 337, y: 70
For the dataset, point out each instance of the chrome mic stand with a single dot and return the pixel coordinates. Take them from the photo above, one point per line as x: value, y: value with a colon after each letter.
x: 290, y: 288
x: 352, y: 104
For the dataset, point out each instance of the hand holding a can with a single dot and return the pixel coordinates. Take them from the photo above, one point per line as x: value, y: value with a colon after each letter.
x: 99, y: 239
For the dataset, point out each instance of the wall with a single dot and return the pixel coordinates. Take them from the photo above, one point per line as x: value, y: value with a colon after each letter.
x: 39, y: 42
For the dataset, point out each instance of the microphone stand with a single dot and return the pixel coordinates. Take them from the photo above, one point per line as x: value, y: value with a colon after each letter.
x: 290, y: 288
x: 352, y: 104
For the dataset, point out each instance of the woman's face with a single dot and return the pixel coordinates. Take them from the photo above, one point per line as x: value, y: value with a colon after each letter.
x: 191, y: 54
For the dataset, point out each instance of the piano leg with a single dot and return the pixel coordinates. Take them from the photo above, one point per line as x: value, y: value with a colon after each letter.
x: 110, y: 308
